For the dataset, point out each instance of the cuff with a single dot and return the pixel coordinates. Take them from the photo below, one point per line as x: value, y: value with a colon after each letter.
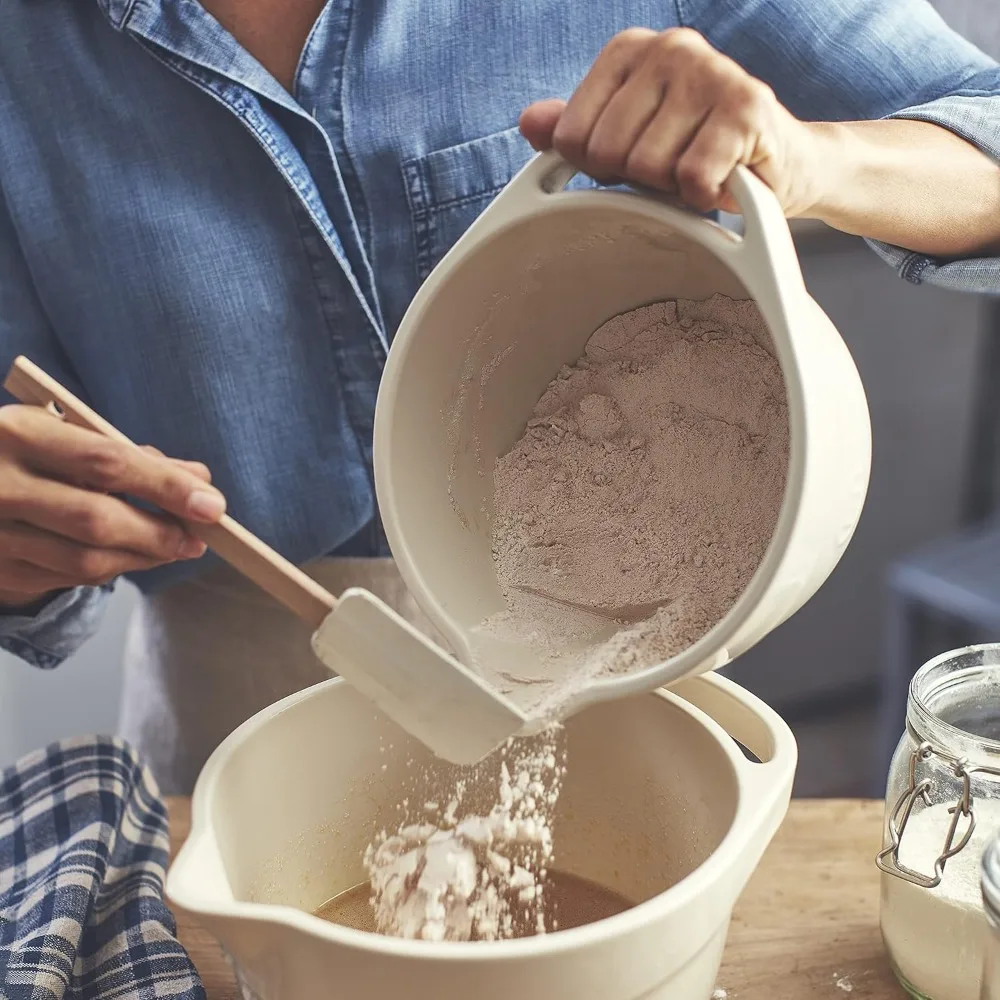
x: 975, y: 116
x: 57, y: 630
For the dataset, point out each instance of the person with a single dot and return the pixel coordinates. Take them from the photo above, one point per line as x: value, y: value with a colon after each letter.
x: 214, y: 215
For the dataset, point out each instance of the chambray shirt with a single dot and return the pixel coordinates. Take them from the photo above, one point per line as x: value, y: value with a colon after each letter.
x: 218, y: 265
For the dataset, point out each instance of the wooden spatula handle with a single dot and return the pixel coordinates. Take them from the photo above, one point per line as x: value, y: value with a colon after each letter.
x: 243, y: 550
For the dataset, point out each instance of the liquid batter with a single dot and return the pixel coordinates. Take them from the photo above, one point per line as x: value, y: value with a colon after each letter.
x: 569, y: 901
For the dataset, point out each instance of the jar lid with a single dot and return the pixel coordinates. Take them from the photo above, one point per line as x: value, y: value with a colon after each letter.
x: 991, y: 877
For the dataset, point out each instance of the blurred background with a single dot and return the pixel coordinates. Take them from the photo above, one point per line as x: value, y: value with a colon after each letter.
x: 923, y: 572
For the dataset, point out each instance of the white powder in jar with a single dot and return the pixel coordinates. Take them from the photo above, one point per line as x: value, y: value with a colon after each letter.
x: 936, y: 937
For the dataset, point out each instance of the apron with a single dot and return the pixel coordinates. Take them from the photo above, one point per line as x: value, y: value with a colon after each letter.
x: 205, y: 655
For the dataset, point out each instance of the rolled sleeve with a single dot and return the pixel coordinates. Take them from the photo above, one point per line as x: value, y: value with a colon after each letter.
x: 57, y: 630
x: 975, y: 116
x: 862, y: 60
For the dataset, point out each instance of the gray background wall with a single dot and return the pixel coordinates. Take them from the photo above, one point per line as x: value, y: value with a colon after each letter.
x: 82, y: 696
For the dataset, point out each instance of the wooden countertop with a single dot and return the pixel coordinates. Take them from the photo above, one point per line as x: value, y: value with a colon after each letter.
x: 807, y: 925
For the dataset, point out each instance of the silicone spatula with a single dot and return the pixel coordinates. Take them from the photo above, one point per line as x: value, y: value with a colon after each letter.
x: 412, y: 680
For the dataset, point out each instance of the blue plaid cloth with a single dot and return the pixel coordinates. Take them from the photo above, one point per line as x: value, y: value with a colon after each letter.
x: 83, y: 852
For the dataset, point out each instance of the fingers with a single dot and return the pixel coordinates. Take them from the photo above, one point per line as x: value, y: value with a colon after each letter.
x: 538, y: 122
x: 81, y: 457
x: 704, y: 167
x: 61, y: 524
x: 652, y: 158
x: 651, y: 92
x: 41, y: 561
x: 663, y: 110
x: 93, y: 519
x: 571, y: 136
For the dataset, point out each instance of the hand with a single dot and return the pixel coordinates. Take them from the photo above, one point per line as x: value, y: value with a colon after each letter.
x: 667, y: 111
x: 60, y: 527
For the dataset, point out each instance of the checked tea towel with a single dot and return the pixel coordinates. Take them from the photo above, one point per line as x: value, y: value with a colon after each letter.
x: 83, y: 853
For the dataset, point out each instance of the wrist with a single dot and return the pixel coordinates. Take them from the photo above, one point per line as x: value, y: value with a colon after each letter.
x: 28, y: 607
x: 834, y: 196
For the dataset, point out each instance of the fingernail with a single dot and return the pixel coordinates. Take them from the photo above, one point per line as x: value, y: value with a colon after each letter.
x: 191, y: 548
x: 206, y: 506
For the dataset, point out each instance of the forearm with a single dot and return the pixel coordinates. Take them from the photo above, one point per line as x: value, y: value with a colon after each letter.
x: 912, y: 184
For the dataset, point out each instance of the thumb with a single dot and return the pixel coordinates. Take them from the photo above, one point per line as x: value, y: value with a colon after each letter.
x: 539, y: 120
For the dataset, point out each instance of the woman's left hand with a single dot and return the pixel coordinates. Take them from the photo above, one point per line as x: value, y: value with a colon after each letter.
x: 668, y: 111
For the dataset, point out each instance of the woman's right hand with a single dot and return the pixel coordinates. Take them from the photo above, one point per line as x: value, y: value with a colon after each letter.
x: 60, y: 524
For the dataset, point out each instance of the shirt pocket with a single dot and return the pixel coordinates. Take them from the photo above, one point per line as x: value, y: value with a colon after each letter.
x: 449, y: 188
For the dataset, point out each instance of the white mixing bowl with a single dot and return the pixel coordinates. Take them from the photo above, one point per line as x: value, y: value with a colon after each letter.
x: 517, y: 298
x: 659, y: 804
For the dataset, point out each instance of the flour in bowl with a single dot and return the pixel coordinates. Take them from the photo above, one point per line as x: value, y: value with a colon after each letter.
x: 645, y: 489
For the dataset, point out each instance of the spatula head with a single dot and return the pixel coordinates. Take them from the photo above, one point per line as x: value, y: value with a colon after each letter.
x: 414, y: 682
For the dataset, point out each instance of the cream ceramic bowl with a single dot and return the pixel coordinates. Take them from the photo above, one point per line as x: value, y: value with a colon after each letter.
x: 517, y: 298
x: 659, y: 804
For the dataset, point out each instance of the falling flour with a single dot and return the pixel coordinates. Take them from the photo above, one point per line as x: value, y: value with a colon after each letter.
x: 644, y: 490
x: 473, y: 876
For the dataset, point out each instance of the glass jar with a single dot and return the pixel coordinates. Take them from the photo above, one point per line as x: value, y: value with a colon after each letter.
x: 942, y: 809
x: 991, y: 906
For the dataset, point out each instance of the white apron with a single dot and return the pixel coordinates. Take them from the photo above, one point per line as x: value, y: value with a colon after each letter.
x: 205, y: 655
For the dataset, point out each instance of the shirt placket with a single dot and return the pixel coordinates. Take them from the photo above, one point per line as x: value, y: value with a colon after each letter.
x: 319, y: 86
x: 184, y: 38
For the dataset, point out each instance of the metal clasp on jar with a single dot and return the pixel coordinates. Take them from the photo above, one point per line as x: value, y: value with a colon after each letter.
x: 888, y: 859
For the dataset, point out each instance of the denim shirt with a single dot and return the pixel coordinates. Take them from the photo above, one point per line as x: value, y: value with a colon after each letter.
x: 218, y: 265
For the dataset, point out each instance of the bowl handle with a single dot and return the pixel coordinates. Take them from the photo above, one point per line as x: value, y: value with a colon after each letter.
x: 766, y: 786
x: 766, y: 250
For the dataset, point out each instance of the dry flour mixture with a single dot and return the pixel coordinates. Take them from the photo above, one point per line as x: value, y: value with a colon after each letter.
x: 645, y: 488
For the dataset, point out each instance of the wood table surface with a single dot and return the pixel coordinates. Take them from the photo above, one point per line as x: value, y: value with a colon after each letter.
x: 807, y: 925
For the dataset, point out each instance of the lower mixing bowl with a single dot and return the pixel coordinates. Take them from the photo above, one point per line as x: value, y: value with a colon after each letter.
x: 659, y: 803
